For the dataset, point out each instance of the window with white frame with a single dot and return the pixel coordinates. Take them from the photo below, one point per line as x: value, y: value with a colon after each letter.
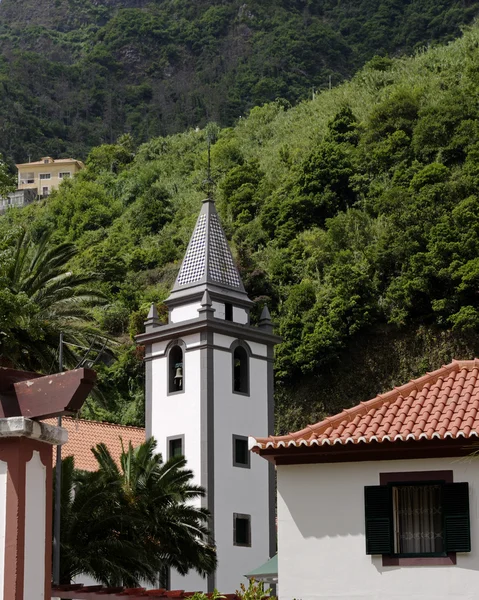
x: 64, y: 175
x: 44, y: 176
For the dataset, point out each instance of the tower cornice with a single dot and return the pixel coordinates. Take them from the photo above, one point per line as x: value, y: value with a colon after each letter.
x: 201, y: 324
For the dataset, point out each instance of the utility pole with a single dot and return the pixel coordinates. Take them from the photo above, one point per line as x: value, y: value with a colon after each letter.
x: 58, y: 490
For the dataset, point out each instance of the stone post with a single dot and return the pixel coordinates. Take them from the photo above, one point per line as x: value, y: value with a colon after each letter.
x: 26, y: 507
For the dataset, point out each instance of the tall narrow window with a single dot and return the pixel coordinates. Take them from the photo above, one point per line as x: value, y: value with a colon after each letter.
x: 228, y: 312
x: 175, y: 446
x: 241, y: 530
x: 240, y: 371
x: 175, y: 368
x: 240, y: 451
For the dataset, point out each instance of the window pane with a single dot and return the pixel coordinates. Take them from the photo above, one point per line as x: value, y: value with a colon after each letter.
x: 242, y: 531
x: 241, y: 451
x: 176, y: 447
x: 417, y: 519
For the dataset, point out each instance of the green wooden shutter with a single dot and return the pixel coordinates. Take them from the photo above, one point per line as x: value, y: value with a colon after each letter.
x: 378, y: 509
x: 457, y: 529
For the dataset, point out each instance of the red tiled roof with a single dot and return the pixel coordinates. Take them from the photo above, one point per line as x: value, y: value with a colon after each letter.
x: 442, y: 404
x: 84, y: 435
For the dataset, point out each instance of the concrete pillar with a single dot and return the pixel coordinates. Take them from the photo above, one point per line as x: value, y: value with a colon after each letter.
x: 26, y: 507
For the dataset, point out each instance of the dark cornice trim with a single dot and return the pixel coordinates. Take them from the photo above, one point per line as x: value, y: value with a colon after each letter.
x: 372, y: 451
x: 166, y: 332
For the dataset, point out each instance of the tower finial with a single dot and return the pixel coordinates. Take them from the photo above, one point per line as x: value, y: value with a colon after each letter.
x: 152, y: 319
x: 212, y: 131
x: 265, y: 321
x: 206, y: 305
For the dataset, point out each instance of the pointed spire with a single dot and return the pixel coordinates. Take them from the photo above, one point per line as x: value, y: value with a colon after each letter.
x: 265, y: 321
x: 152, y: 320
x: 208, y: 263
x: 206, y: 300
x: 206, y: 305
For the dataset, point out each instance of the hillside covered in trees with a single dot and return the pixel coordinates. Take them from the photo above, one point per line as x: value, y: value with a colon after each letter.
x: 354, y: 216
x: 78, y: 73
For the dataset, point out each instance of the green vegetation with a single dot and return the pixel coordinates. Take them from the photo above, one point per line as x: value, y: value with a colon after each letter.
x: 40, y: 298
x: 124, y: 525
x: 76, y: 74
x: 355, y: 216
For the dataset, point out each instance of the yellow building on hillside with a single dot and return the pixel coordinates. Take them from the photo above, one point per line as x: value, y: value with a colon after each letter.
x: 46, y: 174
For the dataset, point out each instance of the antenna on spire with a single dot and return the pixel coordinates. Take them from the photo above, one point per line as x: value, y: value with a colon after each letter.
x: 212, y: 131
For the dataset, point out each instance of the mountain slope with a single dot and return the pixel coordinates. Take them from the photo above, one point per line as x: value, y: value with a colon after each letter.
x: 75, y: 74
x: 355, y: 216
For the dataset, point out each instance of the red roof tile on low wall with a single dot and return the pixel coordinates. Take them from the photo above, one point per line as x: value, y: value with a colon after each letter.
x: 84, y: 435
x: 440, y: 405
x: 98, y: 592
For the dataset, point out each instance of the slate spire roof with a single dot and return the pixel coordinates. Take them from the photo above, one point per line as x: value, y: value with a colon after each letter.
x: 208, y: 263
x: 440, y: 405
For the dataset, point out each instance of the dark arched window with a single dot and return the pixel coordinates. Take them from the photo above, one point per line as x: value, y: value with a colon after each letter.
x: 176, y: 381
x: 240, y: 370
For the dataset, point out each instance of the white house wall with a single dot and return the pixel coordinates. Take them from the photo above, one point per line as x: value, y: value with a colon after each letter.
x: 238, y: 489
x: 321, y: 541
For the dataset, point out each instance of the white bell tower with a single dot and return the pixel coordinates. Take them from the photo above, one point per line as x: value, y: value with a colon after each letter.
x: 209, y: 385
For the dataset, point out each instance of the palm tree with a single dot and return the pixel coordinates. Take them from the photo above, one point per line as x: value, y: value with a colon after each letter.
x: 48, y: 298
x: 125, y: 524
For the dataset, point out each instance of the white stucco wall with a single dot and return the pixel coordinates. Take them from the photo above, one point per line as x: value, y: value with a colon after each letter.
x: 179, y: 414
x: 236, y: 489
x: 321, y: 536
x: 240, y: 315
x: 35, y: 529
x: 185, y: 312
x: 239, y: 490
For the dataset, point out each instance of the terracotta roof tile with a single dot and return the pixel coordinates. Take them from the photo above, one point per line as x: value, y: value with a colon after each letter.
x: 84, y: 435
x: 444, y: 403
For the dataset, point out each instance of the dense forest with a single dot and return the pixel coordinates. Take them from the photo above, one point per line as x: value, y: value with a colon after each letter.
x: 75, y: 74
x: 355, y: 216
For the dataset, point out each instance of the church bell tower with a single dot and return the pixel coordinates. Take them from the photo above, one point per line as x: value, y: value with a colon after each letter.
x: 209, y: 385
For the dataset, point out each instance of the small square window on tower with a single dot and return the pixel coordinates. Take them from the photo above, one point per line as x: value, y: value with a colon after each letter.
x: 176, y: 446
x: 241, y: 455
x: 241, y: 530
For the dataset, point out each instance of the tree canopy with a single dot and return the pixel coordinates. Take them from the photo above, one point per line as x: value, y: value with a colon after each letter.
x: 84, y: 72
x: 124, y: 524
